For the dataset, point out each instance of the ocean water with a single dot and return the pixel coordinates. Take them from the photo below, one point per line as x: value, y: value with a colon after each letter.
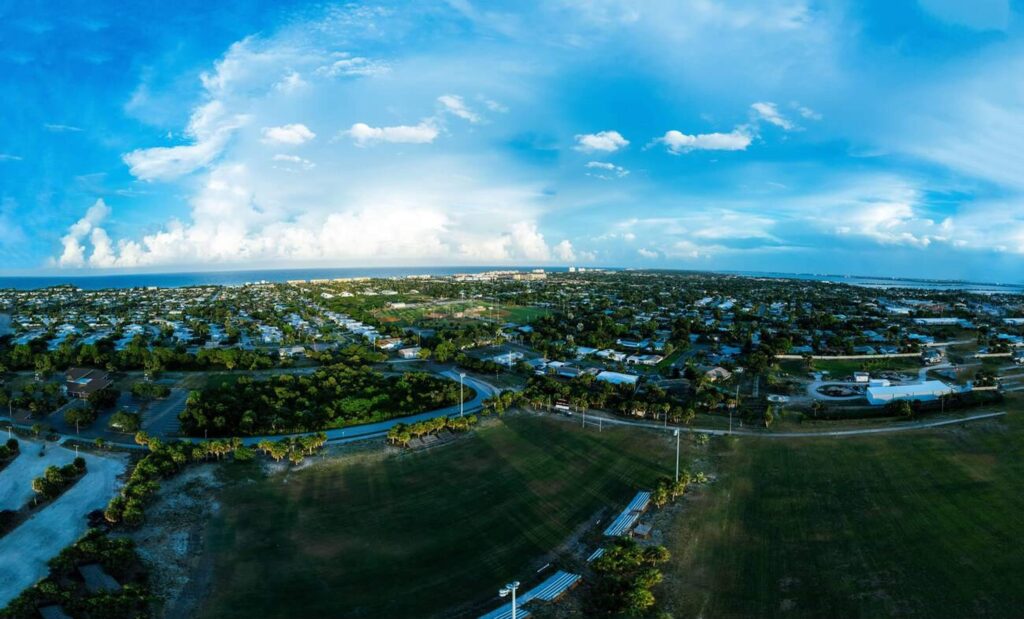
x: 895, y: 282
x: 232, y: 278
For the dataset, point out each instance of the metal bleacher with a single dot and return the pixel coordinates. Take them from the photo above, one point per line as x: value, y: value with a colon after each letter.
x: 625, y: 521
x: 547, y: 591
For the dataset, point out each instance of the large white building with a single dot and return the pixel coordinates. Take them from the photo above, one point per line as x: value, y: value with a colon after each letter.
x: 926, y: 392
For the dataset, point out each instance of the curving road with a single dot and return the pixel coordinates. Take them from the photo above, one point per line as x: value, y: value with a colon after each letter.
x: 374, y: 430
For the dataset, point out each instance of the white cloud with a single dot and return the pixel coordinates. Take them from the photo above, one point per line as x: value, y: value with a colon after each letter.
x: 603, y: 141
x: 769, y: 112
x: 299, y: 162
x: 58, y: 128
x: 807, y: 112
x: 494, y: 106
x: 455, y: 105
x: 643, y: 252
x: 345, y: 65
x: 363, y: 134
x: 73, y: 254
x: 9, y: 157
x: 564, y: 251
x: 293, y: 134
x: 210, y: 128
x: 605, y: 170
x: 292, y: 82
x: 678, y: 142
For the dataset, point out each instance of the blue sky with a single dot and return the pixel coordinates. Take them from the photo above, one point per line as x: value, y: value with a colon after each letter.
x: 862, y: 138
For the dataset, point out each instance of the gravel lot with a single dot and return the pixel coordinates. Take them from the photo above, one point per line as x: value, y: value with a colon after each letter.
x: 16, y: 478
x: 25, y: 550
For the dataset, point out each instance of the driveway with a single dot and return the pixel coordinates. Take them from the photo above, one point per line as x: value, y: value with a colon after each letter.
x: 25, y: 551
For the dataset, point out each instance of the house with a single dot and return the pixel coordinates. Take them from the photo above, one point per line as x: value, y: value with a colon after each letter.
x: 411, y: 352
x: 1018, y: 357
x: 718, y: 373
x: 83, y: 382
x: 290, y: 352
x: 617, y: 378
x: 388, y: 343
x: 644, y: 359
x: 931, y: 356
x: 925, y: 392
x: 861, y: 377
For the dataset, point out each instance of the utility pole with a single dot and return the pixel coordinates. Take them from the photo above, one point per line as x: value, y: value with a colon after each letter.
x: 677, y: 455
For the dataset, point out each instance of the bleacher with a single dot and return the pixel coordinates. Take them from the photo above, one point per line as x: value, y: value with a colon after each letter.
x: 629, y: 516
x: 547, y: 591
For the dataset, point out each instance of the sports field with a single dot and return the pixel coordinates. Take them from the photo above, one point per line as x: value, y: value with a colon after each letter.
x: 416, y: 534
x: 910, y: 525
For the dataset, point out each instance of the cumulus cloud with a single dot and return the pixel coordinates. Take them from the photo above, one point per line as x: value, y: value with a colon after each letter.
x: 678, y: 142
x: 455, y: 105
x: 59, y: 128
x: 293, y: 134
x: 365, y: 135
x: 295, y: 160
x: 73, y: 254
x: 565, y: 251
x: 603, y: 141
x: 769, y: 113
x: 605, y: 170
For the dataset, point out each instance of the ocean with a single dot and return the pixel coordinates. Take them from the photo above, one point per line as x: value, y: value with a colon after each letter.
x: 235, y: 278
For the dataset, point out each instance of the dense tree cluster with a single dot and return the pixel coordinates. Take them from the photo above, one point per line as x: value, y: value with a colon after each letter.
x: 57, y: 479
x: 64, y: 587
x: 625, y: 575
x: 295, y: 448
x: 402, y: 433
x: 332, y: 397
x: 9, y: 451
x: 585, y: 392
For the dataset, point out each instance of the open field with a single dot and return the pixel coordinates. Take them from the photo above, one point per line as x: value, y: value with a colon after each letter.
x: 418, y: 533
x: 914, y: 525
x: 454, y: 310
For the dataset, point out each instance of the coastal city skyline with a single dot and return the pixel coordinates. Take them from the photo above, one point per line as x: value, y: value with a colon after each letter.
x: 841, y: 138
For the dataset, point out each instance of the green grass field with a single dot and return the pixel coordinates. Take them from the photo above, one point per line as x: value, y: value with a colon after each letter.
x: 416, y: 534
x: 911, y: 525
x: 409, y: 316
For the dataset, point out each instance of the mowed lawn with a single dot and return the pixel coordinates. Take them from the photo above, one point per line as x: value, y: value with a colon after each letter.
x: 911, y: 525
x: 417, y: 534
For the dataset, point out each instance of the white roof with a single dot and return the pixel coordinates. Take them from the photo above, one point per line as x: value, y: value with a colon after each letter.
x: 617, y: 378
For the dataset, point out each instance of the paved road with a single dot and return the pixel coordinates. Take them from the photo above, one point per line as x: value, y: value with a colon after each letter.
x: 902, y: 427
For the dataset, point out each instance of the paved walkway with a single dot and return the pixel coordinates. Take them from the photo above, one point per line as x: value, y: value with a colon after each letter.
x: 16, y: 478
x: 25, y: 551
x: 889, y: 429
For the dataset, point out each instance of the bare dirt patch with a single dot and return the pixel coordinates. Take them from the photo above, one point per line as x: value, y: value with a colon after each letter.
x: 171, y: 541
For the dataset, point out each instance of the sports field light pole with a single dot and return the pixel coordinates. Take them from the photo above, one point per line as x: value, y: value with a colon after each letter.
x: 462, y: 401
x: 507, y: 589
x: 677, y: 455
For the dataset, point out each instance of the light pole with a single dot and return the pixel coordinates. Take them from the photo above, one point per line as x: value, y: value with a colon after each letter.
x: 677, y: 455
x: 462, y: 402
x: 507, y: 589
